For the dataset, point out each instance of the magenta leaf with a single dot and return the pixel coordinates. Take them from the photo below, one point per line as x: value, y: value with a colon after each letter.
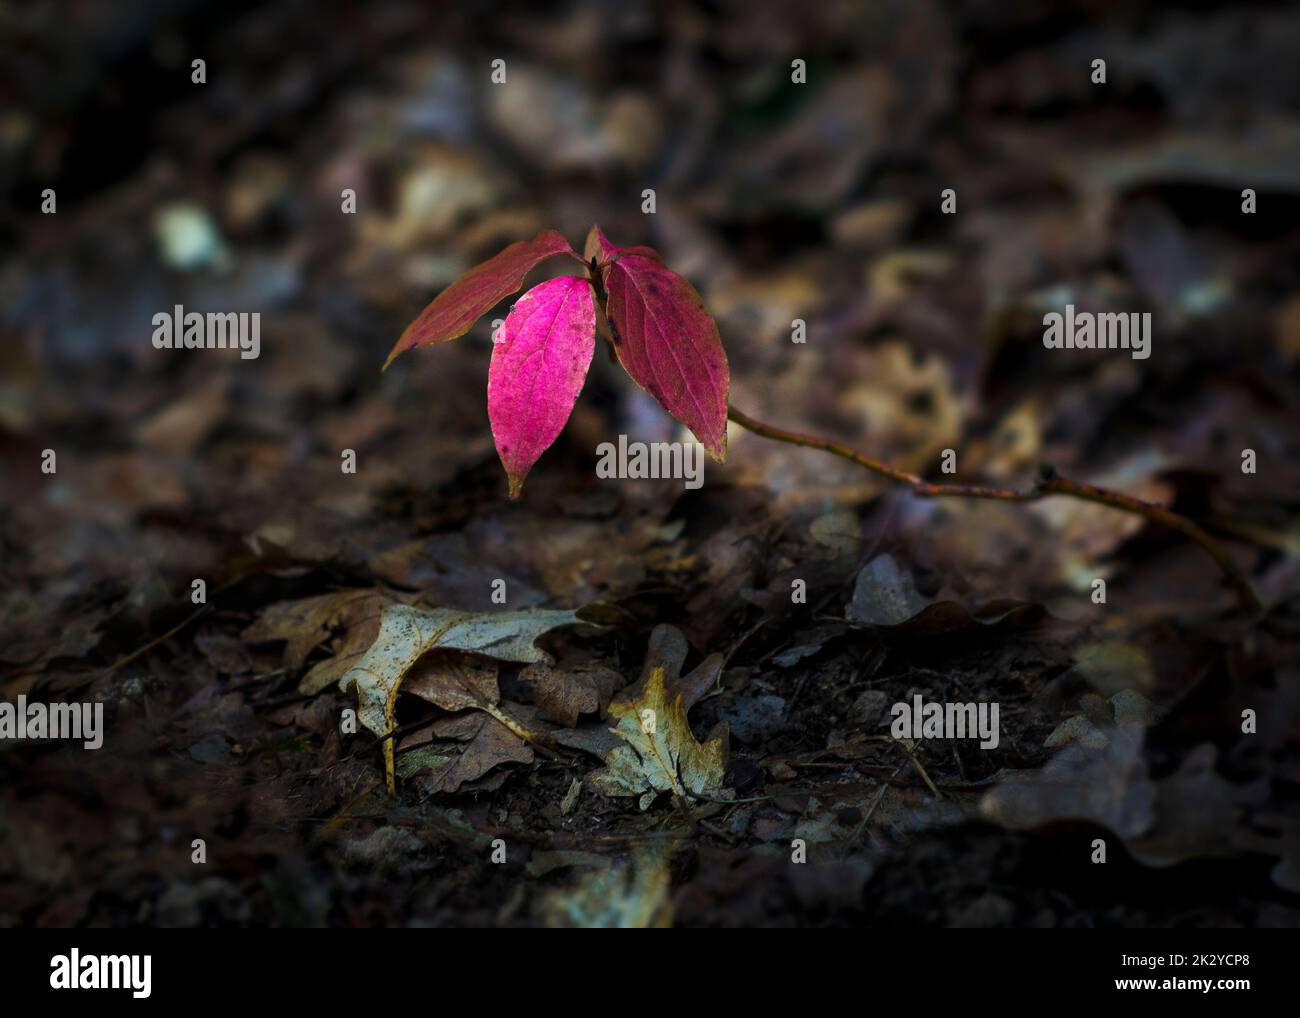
x: 539, y: 363
x: 666, y: 339
x: 454, y: 311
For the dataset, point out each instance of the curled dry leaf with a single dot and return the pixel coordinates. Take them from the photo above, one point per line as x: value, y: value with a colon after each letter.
x: 491, y: 745
x: 665, y: 338
x: 454, y: 311
x: 539, y: 364
x: 304, y: 624
x: 660, y: 754
x: 347, y: 619
x: 406, y: 634
x: 666, y: 651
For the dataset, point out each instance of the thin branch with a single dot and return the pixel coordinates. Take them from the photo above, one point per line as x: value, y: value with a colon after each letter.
x: 1049, y: 483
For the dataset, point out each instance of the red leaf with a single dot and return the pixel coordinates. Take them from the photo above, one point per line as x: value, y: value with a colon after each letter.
x: 538, y: 366
x: 666, y: 339
x: 598, y: 246
x: 454, y: 311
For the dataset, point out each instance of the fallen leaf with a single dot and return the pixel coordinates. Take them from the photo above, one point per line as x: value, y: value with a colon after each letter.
x: 633, y: 896
x: 543, y: 863
x: 305, y: 624
x: 406, y: 634
x: 885, y: 596
x: 905, y: 398
x: 667, y: 650
x: 571, y: 797
x: 1109, y: 786
x: 491, y: 745
x: 1131, y: 707
x: 454, y: 681
x: 1076, y: 729
x: 564, y: 696
x: 661, y: 754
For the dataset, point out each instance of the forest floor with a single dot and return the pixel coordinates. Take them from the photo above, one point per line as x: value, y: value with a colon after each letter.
x: 1120, y: 721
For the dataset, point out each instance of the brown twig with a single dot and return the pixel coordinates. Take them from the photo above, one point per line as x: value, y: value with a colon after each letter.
x: 1049, y: 483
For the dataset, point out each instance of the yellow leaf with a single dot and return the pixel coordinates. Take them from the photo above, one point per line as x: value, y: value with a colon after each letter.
x: 660, y: 754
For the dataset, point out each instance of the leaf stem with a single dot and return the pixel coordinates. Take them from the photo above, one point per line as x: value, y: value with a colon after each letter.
x: 1048, y: 483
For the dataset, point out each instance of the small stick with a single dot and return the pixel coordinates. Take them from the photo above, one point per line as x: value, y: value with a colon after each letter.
x: 919, y: 769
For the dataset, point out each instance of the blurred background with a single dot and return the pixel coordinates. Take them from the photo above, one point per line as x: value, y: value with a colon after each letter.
x: 778, y: 200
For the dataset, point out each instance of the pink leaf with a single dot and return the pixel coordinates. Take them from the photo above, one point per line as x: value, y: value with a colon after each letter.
x: 454, y: 311
x: 538, y: 366
x: 666, y: 339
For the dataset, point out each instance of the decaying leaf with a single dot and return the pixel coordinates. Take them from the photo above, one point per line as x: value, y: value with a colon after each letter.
x: 1127, y: 707
x: 1109, y: 786
x: 885, y: 596
x: 491, y: 744
x: 406, y: 634
x: 666, y: 651
x: 633, y: 896
x: 457, y: 681
x: 1076, y: 729
x: 454, y: 681
x: 303, y: 624
x: 564, y: 696
x: 660, y: 752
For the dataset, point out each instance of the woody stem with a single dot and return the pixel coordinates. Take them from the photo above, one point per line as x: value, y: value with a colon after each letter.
x: 1049, y: 483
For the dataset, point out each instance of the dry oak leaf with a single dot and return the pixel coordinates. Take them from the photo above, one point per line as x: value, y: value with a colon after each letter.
x: 660, y: 754
x: 406, y: 634
x: 306, y: 624
x: 491, y: 746
x: 564, y: 696
x: 457, y: 681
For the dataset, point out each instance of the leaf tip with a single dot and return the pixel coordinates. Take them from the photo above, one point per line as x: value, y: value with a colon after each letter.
x: 404, y: 343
